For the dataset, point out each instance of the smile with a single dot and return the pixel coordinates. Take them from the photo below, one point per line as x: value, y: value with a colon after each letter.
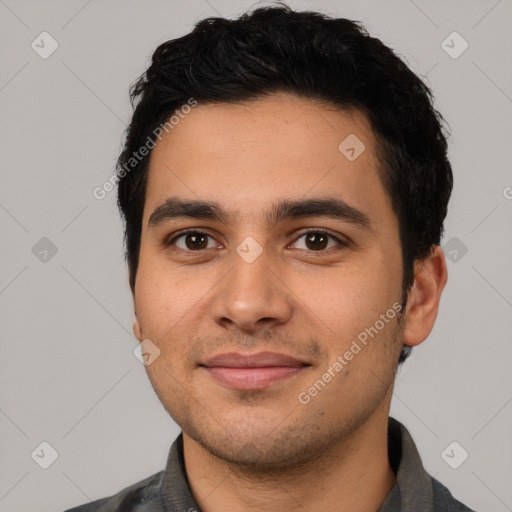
x: 252, y: 371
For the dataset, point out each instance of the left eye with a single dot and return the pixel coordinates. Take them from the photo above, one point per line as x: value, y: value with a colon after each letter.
x: 318, y: 240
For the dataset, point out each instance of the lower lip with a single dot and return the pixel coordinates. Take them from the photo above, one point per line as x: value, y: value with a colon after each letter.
x: 252, y: 378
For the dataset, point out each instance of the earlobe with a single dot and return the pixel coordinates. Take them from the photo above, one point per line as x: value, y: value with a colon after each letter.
x: 430, y: 276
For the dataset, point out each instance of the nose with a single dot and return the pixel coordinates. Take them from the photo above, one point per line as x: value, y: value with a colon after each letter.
x: 252, y: 297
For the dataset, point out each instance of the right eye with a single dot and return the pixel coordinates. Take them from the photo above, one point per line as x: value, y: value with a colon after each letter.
x: 191, y: 241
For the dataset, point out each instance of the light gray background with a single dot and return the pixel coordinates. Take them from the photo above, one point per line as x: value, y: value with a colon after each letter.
x: 68, y: 375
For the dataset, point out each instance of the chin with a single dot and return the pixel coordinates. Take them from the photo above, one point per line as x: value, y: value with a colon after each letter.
x: 259, y: 447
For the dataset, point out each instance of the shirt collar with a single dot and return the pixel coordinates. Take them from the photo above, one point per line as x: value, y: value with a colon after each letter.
x: 413, y: 488
x: 176, y: 494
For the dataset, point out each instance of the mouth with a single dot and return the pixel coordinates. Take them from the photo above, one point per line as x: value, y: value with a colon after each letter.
x: 253, y: 371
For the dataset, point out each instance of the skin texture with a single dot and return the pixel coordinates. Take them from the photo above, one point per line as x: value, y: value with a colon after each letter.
x: 263, y: 449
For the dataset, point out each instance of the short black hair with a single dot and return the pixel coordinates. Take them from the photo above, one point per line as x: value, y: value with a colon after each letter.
x: 314, y: 56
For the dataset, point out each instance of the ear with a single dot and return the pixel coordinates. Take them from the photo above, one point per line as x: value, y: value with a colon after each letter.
x: 137, y: 331
x: 430, y: 276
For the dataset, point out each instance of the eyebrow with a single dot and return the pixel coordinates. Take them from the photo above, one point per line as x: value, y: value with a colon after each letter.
x: 334, y: 208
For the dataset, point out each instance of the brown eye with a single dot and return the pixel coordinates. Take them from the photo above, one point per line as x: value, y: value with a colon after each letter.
x: 192, y: 241
x: 319, y: 241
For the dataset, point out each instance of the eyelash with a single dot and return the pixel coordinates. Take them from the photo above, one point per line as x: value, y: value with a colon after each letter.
x: 321, y: 231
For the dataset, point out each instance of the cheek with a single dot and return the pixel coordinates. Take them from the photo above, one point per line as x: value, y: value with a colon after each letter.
x: 163, y: 306
x: 172, y: 307
x: 345, y: 304
x: 165, y: 296
x: 345, y: 295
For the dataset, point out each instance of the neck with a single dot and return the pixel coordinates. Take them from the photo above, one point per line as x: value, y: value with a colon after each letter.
x: 354, y: 475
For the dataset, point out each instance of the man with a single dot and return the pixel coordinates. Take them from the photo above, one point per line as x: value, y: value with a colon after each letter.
x: 284, y: 184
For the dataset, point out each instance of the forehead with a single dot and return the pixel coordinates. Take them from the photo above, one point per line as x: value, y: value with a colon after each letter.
x: 249, y: 155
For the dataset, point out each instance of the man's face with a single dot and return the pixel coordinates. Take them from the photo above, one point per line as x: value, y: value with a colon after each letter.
x: 255, y: 282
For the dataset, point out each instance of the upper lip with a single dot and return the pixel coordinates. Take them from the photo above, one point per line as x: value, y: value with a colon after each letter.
x: 257, y: 360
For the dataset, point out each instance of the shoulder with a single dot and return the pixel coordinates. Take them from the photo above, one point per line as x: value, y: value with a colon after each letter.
x: 443, y: 499
x: 140, y: 497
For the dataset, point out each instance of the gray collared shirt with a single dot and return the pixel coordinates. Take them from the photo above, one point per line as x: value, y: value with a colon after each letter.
x: 168, y: 491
